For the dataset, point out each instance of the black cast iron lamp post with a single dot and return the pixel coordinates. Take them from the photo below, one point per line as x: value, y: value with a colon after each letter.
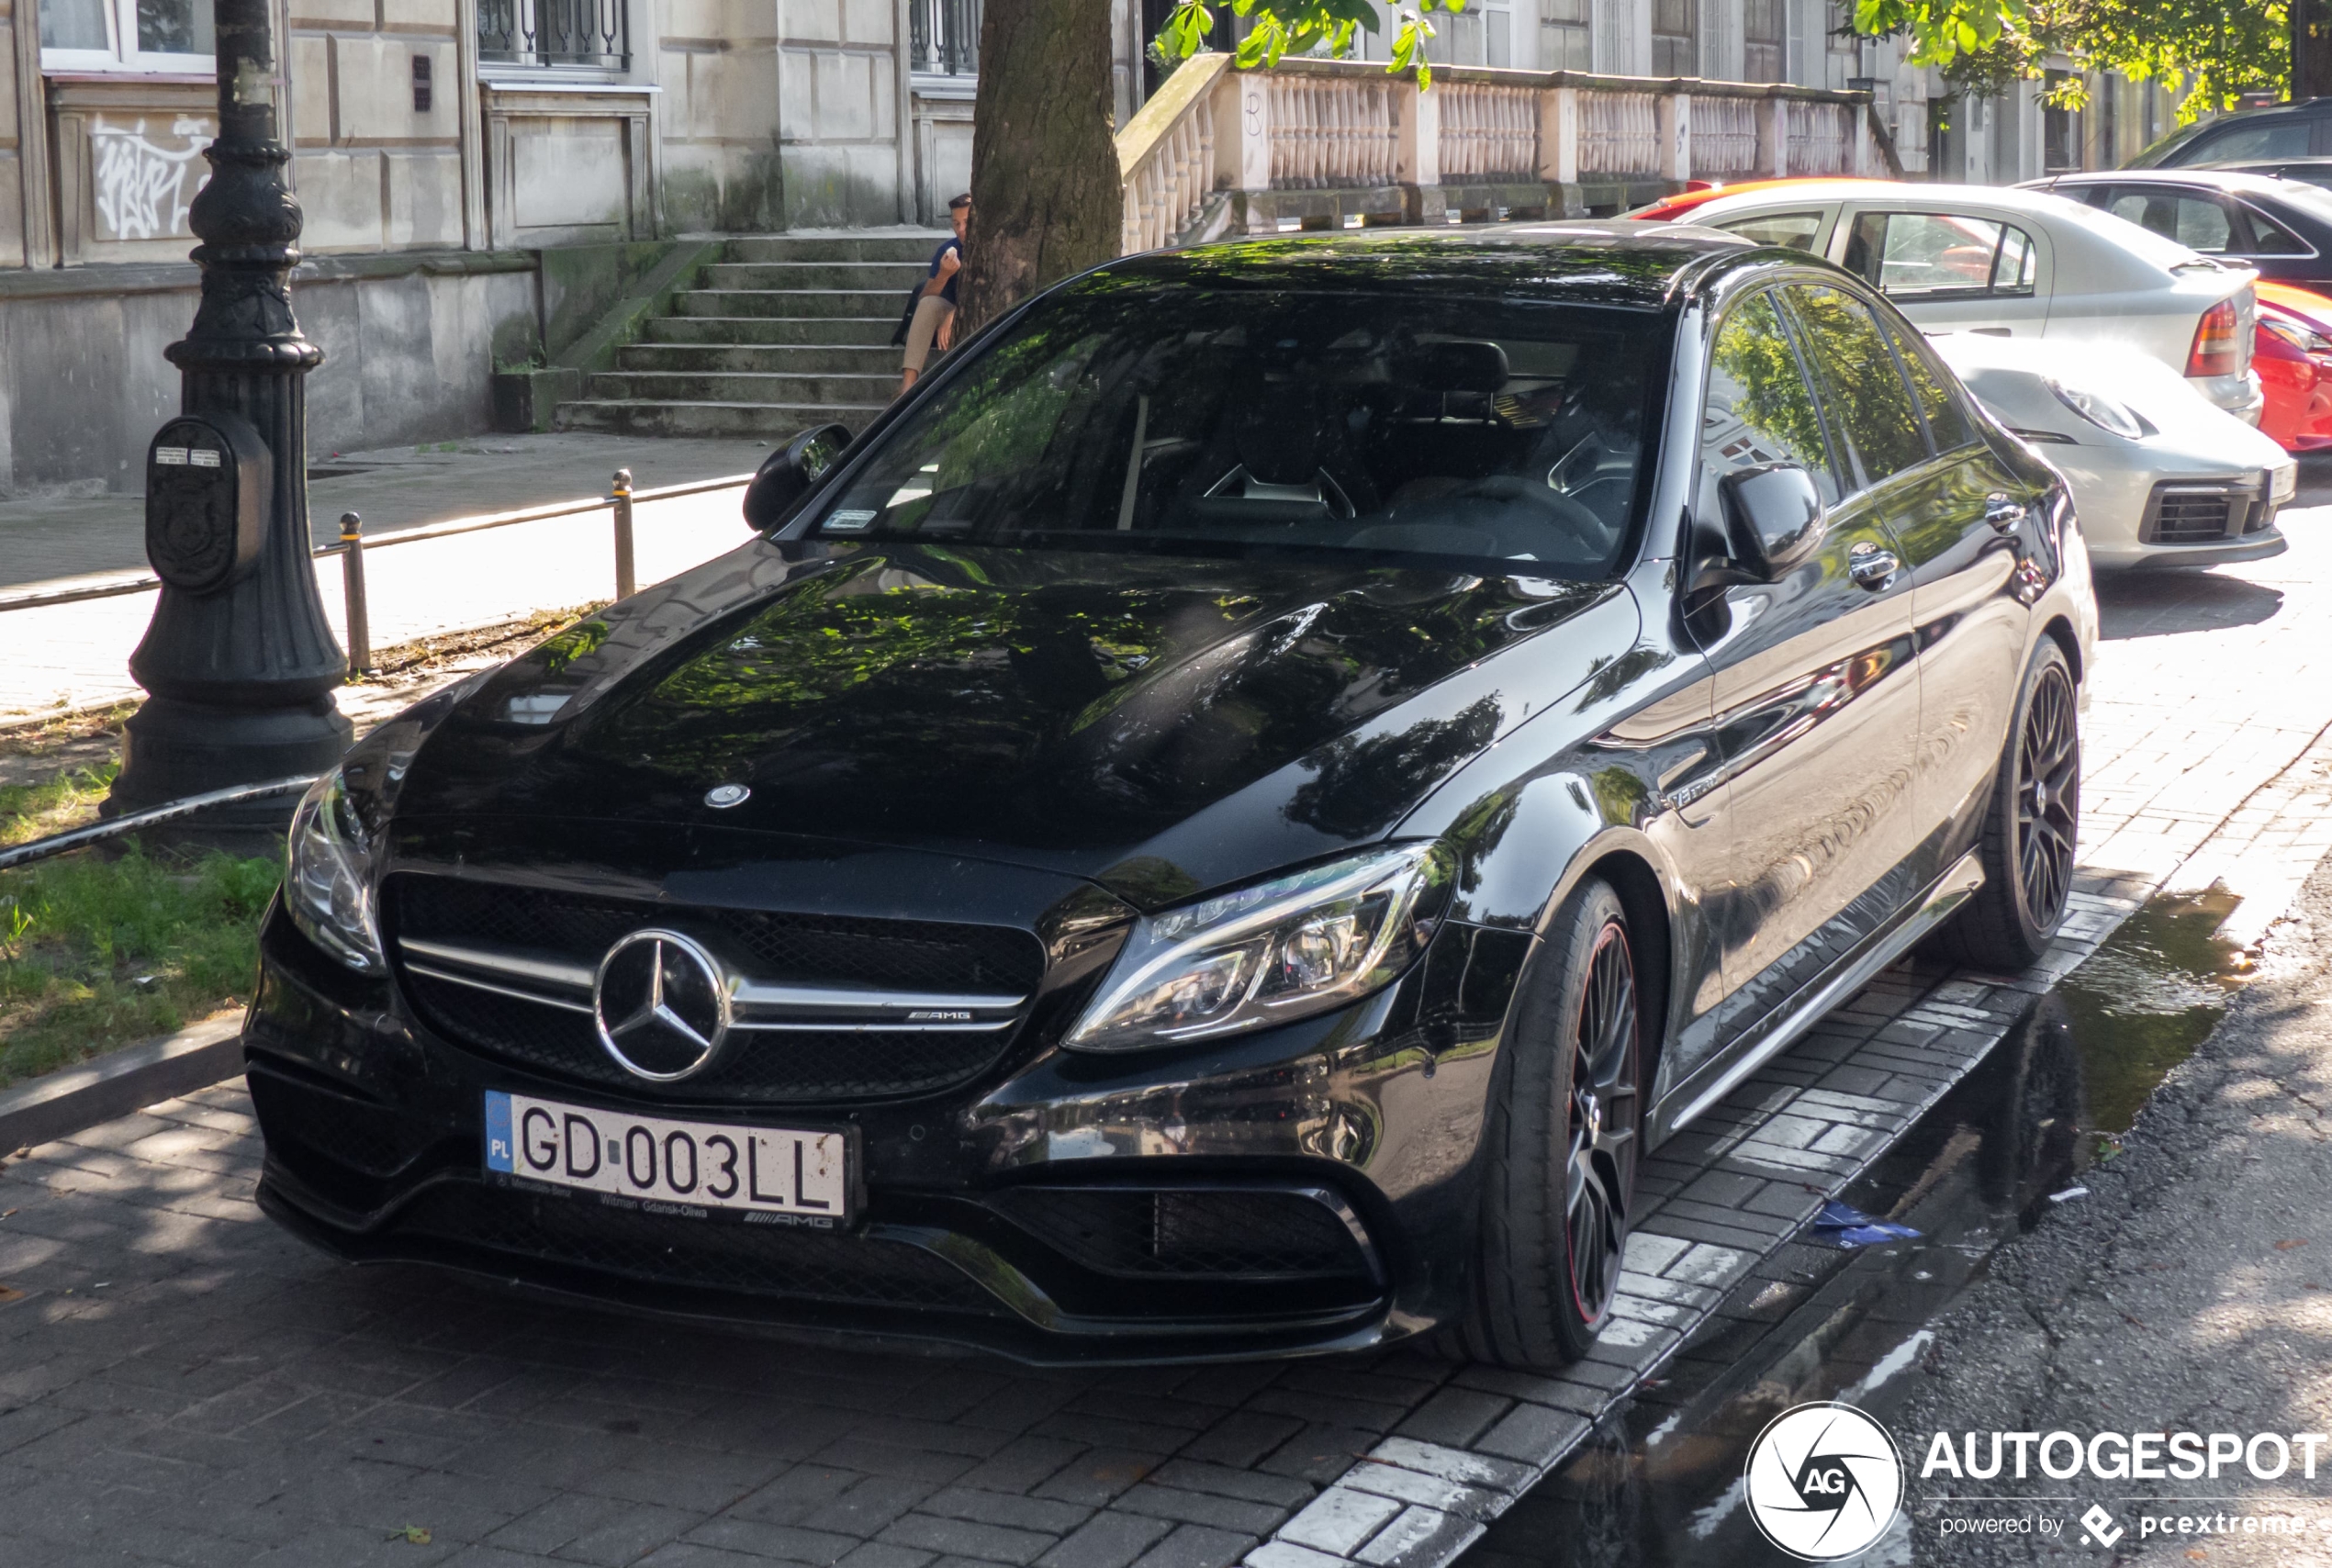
x: 239, y: 661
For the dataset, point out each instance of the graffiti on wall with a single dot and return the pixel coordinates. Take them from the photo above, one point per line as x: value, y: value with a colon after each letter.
x: 143, y: 185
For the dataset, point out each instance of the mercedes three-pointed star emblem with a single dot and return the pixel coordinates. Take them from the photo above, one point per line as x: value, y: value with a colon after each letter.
x: 661, y: 1005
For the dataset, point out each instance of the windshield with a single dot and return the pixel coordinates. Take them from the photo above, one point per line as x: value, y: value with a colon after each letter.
x: 1225, y: 421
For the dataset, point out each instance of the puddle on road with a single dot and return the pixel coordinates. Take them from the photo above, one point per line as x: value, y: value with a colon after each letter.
x: 1659, y: 1484
x: 2146, y: 999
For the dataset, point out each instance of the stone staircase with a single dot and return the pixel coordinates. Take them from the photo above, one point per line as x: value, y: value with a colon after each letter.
x: 779, y: 335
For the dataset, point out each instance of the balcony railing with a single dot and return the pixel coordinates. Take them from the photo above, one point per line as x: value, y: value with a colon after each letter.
x: 590, y: 33
x: 1318, y: 143
x: 943, y: 38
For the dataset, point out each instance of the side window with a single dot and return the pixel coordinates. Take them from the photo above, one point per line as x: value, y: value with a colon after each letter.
x: 2013, y: 268
x: 2199, y: 223
x: 2282, y: 138
x: 1864, y: 392
x: 1759, y: 408
x: 1933, y: 388
x: 2269, y: 237
x: 1914, y: 256
x: 1795, y: 229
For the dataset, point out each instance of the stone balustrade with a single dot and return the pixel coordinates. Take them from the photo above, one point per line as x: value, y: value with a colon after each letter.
x: 1324, y: 144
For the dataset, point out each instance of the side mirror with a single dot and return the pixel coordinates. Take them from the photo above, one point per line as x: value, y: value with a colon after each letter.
x: 787, y: 476
x: 1774, y: 518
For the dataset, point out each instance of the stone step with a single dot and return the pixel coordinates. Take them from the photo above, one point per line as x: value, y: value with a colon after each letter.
x: 774, y: 359
x: 816, y: 332
x: 769, y: 421
x: 896, y: 276
x: 692, y: 387
x: 909, y: 247
x: 790, y: 302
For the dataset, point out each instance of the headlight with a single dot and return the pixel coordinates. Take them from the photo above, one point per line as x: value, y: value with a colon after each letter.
x: 1282, y: 949
x: 327, y: 887
x: 2106, y: 413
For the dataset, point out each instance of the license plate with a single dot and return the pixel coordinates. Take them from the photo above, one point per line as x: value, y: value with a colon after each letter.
x: 774, y: 1174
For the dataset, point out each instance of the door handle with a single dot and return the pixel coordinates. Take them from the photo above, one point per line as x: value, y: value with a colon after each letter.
x: 1871, y: 567
x: 2003, y: 512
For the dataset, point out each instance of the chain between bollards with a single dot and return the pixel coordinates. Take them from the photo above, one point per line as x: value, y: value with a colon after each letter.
x: 352, y: 572
x: 626, y: 580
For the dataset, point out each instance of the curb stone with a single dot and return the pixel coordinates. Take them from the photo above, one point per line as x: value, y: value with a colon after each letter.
x: 59, y: 1104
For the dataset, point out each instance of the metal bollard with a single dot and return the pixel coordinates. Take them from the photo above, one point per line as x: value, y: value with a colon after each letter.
x: 626, y: 583
x: 352, y: 572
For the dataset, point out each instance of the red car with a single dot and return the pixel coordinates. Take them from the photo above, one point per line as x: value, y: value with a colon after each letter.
x: 1677, y: 208
x: 2292, y: 351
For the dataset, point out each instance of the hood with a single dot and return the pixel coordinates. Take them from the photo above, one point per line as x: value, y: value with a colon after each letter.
x: 1158, y: 724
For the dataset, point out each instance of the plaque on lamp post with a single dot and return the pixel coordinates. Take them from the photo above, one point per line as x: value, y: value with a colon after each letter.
x: 238, y: 662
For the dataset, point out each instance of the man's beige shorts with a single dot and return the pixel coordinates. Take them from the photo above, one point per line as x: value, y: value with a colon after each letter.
x: 930, y: 310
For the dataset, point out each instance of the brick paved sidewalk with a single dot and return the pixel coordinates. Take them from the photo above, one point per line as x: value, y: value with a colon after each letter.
x: 180, y: 1384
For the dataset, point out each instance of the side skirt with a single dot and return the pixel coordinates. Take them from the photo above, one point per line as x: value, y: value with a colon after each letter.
x: 1780, y: 1028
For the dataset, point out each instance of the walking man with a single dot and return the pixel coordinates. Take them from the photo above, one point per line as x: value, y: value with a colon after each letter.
x: 935, y: 318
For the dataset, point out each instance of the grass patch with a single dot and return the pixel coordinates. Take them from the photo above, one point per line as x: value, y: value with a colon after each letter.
x: 69, y: 801
x: 95, y: 954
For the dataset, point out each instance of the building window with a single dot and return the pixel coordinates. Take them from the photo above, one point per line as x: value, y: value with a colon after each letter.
x: 592, y: 34
x: 1567, y: 35
x: 2060, y: 130
x: 1675, y: 37
x: 943, y: 37
x: 1761, y: 40
x: 126, y: 34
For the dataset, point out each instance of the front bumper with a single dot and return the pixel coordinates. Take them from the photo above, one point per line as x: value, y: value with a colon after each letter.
x: 1307, y: 1190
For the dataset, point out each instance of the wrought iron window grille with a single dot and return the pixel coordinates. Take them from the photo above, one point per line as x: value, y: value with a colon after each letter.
x: 588, y: 34
x: 943, y: 38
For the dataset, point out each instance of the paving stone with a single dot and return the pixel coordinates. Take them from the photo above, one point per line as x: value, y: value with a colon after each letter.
x: 1235, y: 1514
x: 1455, y: 1415
x: 1196, y: 1546
x: 1339, y: 1519
x: 1421, y: 1537
x: 966, y: 1538
x: 1107, y: 1540
x: 1227, y: 1482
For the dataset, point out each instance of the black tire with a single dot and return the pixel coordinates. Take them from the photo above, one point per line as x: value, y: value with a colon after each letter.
x: 2030, y: 827
x: 1564, y: 1135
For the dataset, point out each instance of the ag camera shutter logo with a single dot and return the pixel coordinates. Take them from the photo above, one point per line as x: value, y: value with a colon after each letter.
x: 1824, y: 1481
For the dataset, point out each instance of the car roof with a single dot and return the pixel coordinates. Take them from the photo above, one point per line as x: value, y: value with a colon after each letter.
x: 1606, y: 261
x: 2235, y: 182
x: 1667, y: 207
x: 2111, y: 252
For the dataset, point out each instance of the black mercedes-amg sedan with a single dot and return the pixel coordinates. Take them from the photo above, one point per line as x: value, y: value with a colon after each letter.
x: 1224, y: 823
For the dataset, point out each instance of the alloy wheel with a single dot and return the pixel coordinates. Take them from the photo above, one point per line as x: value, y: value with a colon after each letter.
x: 1603, y: 1117
x: 2047, y: 798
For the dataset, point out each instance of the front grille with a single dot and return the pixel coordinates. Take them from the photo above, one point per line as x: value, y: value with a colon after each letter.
x: 758, y: 1067
x: 803, y: 1265
x: 2193, y: 517
x: 1190, y: 1233
x: 807, y: 950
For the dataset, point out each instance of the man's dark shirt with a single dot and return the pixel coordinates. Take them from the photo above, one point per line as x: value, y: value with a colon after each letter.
x: 951, y: 243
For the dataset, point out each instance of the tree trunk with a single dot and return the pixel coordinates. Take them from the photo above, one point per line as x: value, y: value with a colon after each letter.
x: 1045, y: 201
x: 2311, y: 49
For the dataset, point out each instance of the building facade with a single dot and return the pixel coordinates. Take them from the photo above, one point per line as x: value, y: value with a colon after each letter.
x: 481, y: 178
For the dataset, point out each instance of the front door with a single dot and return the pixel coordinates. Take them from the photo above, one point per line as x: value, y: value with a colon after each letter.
x: 1816, y: 698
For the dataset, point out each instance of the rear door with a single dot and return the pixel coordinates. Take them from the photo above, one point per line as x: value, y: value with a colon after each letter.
x: 1817, y: 701
x: 1950, y: 271
x: 1964, y: 519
